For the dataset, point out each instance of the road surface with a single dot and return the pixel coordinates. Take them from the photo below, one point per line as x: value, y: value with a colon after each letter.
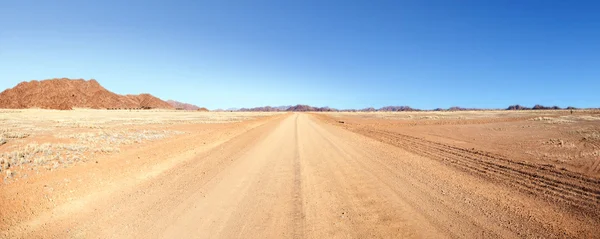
x: 299, y: 177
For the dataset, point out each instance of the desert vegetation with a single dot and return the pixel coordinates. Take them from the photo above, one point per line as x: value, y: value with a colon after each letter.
x: 134, y: 157
x: 457, y: 164
x: 33, y: 140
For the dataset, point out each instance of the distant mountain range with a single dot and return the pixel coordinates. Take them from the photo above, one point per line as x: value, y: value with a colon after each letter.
x: 265, y: 109
x: 303, y: 108
x: 67, y: 94
x: 185, y: 106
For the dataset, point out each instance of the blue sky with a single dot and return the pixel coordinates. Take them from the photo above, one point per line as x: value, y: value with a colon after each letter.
x: 343, y: 54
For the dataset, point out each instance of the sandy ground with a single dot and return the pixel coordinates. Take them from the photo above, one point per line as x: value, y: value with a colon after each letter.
x: 555, y: 138
x: 301, y: 175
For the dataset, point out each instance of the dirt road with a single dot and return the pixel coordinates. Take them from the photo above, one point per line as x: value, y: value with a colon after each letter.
x: 298, y: 177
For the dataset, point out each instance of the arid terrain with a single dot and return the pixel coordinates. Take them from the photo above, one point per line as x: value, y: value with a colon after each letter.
x: 66, y: 94
x: 186, y: 174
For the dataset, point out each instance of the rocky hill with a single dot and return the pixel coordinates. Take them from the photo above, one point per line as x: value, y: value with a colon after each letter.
x: 184, y: 106
x: 67, y: 94
x: 303, y: 108
x: 260, y: 109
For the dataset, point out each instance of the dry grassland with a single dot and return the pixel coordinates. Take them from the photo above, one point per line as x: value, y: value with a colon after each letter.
x: 32, y: 140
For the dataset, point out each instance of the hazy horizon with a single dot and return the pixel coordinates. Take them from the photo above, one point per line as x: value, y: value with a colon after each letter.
x: 337, y: 54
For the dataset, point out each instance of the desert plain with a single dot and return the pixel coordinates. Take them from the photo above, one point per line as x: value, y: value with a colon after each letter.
x: 87, y: 173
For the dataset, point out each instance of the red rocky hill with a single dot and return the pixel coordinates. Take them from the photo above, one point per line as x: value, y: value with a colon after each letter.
x: 68, y: 94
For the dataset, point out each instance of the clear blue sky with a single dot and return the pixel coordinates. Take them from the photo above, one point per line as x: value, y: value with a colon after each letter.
x: 343, y: 54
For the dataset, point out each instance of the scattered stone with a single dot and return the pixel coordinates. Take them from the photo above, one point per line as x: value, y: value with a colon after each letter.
x: 556, y: 142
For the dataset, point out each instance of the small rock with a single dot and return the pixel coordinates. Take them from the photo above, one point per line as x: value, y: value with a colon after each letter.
x: 9, y: 174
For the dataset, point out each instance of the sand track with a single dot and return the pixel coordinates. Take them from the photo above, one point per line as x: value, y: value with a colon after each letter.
x: 576, y: 190
x: 299, y: 177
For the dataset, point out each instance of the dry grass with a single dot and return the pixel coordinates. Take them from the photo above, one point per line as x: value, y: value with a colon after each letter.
x: 118, y: 137
x: 49, y: 139
x: 553, y: 120
x: 436, y: 115
x: 547, y: 116
x: 9, y: 134
x: 587, y: 134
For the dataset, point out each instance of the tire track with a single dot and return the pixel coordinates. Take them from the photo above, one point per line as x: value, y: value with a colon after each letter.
x: 572, y: 189
x: 299, y: 213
